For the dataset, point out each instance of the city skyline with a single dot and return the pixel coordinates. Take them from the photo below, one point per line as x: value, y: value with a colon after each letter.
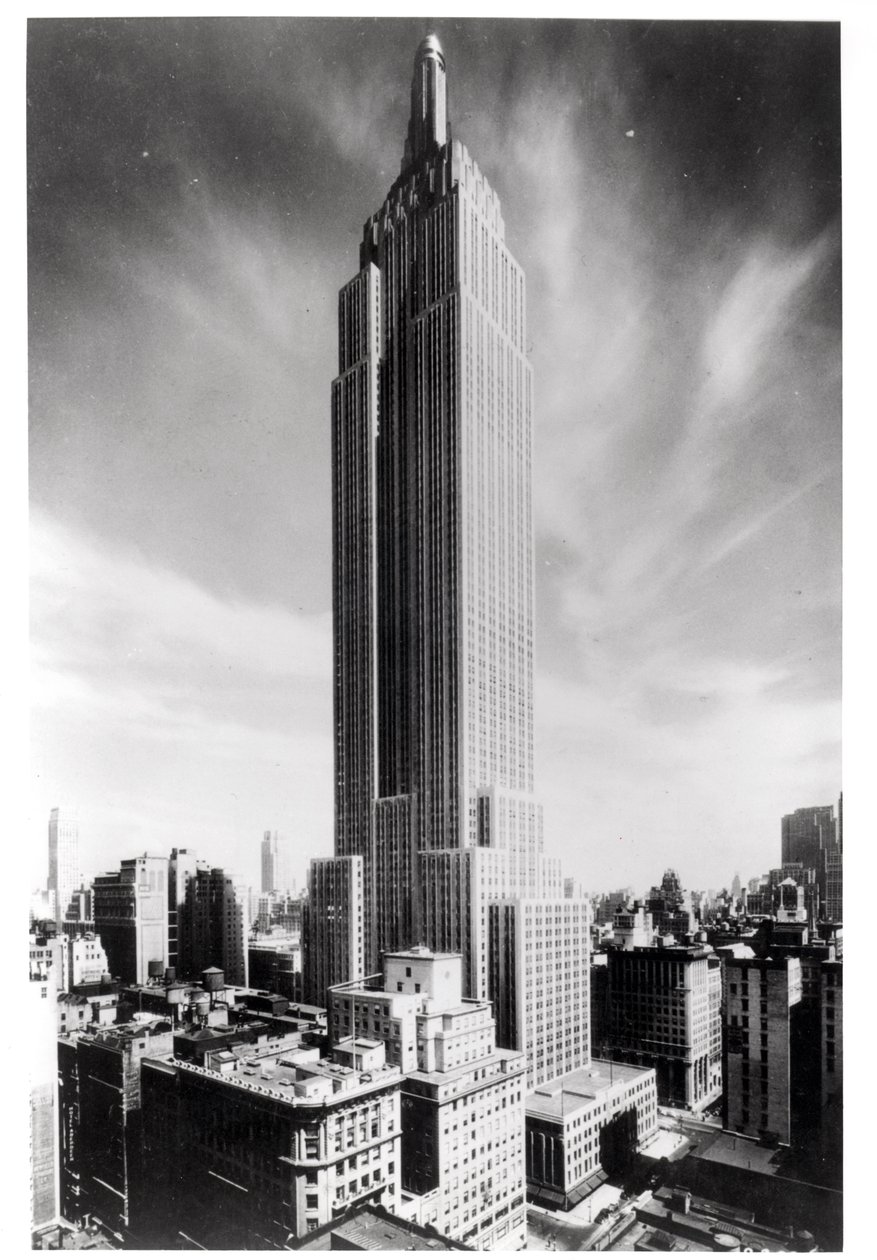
x: 687, y: 582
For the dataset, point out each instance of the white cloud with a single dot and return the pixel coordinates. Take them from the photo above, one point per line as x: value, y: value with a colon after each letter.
x: 171, y: 715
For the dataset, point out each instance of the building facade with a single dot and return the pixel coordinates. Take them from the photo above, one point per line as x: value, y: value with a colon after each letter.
x: 257, y: 1148
x: 807, y: 833
x: 131, y: 918
x: 592, y: 1122
x: 333, y: 937
x: 663, y: 1010
x: 540, y: 975
x: 208, y: 919
x: 85, y: 960
x: 762, y: 999
x: 100, y: 1123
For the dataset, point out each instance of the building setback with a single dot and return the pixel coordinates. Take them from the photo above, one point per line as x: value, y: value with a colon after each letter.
x: 462, y: 1096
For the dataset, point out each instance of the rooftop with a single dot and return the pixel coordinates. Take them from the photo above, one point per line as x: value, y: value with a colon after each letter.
x: 293, y: 1075
x: 372, y: 1228
x: 421, y: 952
x: 566, y: 1094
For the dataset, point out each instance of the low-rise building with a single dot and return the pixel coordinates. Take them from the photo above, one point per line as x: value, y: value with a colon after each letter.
x: 586, y: 1126
x: 275, y: 963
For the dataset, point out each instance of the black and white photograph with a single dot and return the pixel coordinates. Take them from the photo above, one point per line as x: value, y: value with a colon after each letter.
x: 434, y: 824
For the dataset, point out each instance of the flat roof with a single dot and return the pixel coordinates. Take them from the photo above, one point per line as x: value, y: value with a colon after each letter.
x: 277, y: 1070
x: 370, y: 1232
x: 421, y: 952
x: 567, y: 1094
x: 737, y: 1151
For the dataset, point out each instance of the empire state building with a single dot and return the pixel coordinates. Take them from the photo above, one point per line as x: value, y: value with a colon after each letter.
x: 433, y: 574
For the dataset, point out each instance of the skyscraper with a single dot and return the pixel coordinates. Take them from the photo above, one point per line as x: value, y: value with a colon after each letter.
x: 433, y: 573
x: 275, y: 874
x: 807, y: 834
x: 208, y: 919
x: 64, y: 875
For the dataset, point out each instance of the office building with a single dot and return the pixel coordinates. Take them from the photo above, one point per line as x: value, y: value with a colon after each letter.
x: 462, y: 1096
x: 813, y: 837
x: 275, y: 964
x: 275, y: 864
x: 807, y: 833
x: 540, y: 976
x: 433, y: 561
x: 763, y: 1046
x: 333, y: 938
x: 85, y: 960
x: 831, y: 1008
x: 131, y: 918
x: 585, y: 1127
x: 79, y: 913
x: 834, y: 897
x: 100, y: 1123
x: 258, y: 1147
x: 208, y: 920
x: 277, y: 911
x: 670, y: 906
x: 64, y: 873
x: 663, y: 1010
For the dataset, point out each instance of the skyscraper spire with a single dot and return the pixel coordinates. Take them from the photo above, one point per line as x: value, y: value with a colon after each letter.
x: 428, y: 125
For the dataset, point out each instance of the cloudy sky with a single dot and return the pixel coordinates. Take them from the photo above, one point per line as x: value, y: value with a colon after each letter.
x: 197, y: 192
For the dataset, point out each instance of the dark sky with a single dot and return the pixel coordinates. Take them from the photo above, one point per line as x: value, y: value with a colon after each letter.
x: 197, y: 189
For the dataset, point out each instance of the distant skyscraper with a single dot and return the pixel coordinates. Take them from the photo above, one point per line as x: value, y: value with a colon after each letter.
x: 275, y: 868
x: 433, y: 578
x: 807, y: 833
x: 64, y: 874
x: 813, y: 837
